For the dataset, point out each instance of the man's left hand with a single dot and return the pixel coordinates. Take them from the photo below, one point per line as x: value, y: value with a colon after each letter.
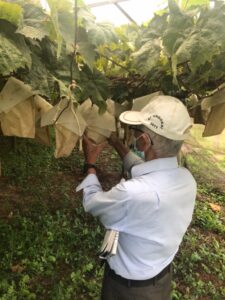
x: 92, y: 150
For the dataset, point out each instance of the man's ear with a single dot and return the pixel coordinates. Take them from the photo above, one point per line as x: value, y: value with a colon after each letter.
x: 146, y: 142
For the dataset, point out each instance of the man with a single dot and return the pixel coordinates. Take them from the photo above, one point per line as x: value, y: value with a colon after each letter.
x: 152, y: 209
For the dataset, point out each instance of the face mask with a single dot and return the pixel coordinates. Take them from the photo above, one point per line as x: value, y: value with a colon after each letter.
x: 139, y: 153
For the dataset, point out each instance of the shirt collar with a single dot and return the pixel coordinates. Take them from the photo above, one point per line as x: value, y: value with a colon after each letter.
x: 158, y: 164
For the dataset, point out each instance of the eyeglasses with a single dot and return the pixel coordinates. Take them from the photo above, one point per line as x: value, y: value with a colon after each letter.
x: 136, y: 128
x: 133, y: 127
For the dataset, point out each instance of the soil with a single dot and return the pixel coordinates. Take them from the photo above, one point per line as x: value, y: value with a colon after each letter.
x: 14, y: 199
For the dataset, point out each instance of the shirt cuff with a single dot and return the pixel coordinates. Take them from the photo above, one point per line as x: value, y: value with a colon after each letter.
x: 89, y: 180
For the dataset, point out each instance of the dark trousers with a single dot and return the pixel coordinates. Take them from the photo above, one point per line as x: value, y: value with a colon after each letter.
x: 113, y: 288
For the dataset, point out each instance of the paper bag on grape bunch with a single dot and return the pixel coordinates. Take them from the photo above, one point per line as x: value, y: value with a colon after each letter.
x: 215, y: 104
x: 42, y: 134
x: 17, y: 110
x: 69, y: 126
x: 115, y: 109
x: 99, y: 126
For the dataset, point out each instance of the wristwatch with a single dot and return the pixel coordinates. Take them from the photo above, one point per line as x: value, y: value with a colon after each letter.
x: 88, y: 166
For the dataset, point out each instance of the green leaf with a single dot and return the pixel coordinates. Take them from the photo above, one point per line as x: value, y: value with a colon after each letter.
x: 179, y: 26
x: 14, y: 52
x: 187, y: 4
x: 147, y: 56
x: 174, y: 68
x: 86, y: 16
x: 37, y: 77
x: 94, y: 86
x: 156, y: 27
x: 67, y: 28
x: 196, y: 49
x: 35, y: 23
x: 44, y: 74
x: 204, y: 41
x: 11, y: 57
x: 101, y: 33
x: 201, y: 53
x: 173, y: 7
x: 98, y: 33
x: 11, y: 12
x: 54, y: 6
x: 57, y: 5
x: 85, y: 48
x: 87, y: 52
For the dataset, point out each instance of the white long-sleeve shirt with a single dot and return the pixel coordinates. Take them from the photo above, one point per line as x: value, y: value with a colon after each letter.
x: 151, y: 211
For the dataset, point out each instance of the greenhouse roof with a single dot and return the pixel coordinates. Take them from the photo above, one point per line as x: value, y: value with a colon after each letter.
x: 121, y: 12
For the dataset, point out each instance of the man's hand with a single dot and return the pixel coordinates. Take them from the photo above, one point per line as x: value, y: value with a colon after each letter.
x: 121, y: 149
x: 91, y: 150
x: 114, y: 140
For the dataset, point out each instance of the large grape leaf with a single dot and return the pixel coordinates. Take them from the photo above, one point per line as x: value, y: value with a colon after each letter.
x: 85, y: 16
x: 205, y: 40
x: 148, y: 44
x: 101, y: 33
x: 195, y: 37
x: 46, y: 50
x: 210, y: 22
x: 67, y: 28
x: 11, y: 12
x: 87, y: 52
x: 43, y: 76
x: 58, y: 5
x: 155, y: 28
x: 202, y: 51
x: 196, y: 49
x: 92, y: 35
x: 94, y: 85
x: 98, y: 33
x: 56, y: 33
x: 14, y: 52
x: 174, y: 7
x: 63, y: 21
x: 216, y: 70
x: 35, y: 23
x: 147, y: 56
x: 11, y: 57
x: 37, y: 76
x: 128, y: 34
x: 85, y: 48
x: 178, y: 27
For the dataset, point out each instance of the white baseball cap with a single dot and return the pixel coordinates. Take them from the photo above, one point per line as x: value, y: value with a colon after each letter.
x: 164, y: 115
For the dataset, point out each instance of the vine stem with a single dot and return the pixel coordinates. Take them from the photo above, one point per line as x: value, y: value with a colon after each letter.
x: 8, y: 75
x: 75, y: 39
x: 119, y: 65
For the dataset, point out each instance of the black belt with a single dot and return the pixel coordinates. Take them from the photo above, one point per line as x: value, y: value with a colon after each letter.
x: 136, y: 283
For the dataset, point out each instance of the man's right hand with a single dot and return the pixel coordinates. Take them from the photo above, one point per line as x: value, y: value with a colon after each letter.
x: 121, y: 149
